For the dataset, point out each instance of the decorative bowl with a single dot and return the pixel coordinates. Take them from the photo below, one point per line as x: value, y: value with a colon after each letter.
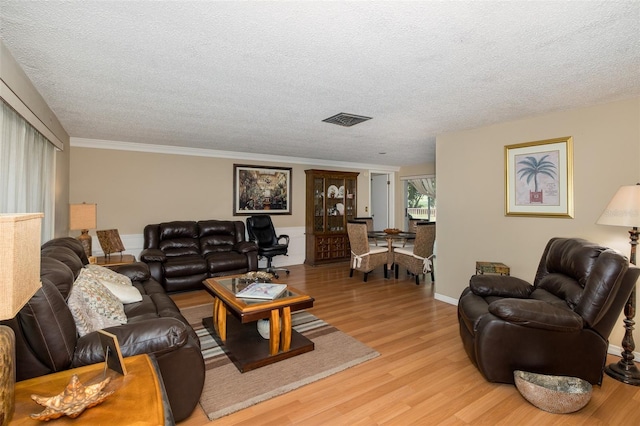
x: 264, y: 328
x: 392, y: 231
x: 555, y: 394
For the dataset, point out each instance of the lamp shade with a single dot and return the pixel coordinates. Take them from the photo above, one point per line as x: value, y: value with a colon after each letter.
x: 19, y: 261
x: 82, y: 216
x: 623, y: 209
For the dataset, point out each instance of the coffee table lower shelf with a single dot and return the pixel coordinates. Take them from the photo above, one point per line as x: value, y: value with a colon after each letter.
x: 248, y: 350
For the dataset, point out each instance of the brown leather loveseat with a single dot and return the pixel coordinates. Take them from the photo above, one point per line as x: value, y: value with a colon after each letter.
x: 181, y: 254
x: 48, y: 341
x: 560, y: 325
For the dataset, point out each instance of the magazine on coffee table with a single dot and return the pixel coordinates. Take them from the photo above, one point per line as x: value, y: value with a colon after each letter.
x: 265, y: 291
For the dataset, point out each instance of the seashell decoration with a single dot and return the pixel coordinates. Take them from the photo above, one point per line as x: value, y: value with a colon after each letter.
x: 72, y: 401
x: 257, y: 276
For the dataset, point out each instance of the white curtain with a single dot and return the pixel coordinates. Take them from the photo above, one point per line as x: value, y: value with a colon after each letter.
x: 27, y: 170
x: 425, y: 186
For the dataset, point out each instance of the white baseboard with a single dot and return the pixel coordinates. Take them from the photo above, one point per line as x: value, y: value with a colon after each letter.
x: 134, y: 243
x: 446, y: 299
x: 617, y: 351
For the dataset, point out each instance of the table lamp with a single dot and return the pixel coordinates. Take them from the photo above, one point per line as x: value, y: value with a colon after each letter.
x: 83, y: 217
x: 19, y: 280
x: 624, y: 210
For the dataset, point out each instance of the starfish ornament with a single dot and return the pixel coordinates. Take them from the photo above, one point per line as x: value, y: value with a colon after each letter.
x: 71, y: 402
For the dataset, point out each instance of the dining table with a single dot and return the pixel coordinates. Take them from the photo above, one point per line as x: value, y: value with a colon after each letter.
x: 392, y: 237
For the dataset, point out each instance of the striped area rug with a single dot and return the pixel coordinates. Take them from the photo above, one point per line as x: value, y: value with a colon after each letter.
x: 226, y: 390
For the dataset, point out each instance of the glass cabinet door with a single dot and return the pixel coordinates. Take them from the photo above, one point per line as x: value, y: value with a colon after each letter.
x: 318, y: 205
x: 350, y: 199
x: 335, y: 205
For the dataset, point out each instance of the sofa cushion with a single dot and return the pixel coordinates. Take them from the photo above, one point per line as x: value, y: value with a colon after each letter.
x: 219, y: 235
x: 179, y: 238
x: 93, y: 306
x: 70, y: 243
x: 59, y: 274
x: 225, y: 261
x: 64, y: 255
x: 184, y: 266
x: 48, y: 327
x: 562, y: 286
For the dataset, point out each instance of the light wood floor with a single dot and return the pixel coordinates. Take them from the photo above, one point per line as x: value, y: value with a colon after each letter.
x: 422, y: 376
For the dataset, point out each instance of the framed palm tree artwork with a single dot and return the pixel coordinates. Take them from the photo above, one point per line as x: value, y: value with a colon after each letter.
x: 539, y: 178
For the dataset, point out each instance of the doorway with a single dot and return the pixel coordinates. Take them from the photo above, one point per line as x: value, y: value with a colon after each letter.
x: 380, y: 197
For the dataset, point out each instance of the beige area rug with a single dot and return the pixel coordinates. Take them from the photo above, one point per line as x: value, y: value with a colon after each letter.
x: 226, y: 390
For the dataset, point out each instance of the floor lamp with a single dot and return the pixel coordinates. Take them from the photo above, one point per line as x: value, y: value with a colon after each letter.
x: 624, y: 210
x: 19, y: 280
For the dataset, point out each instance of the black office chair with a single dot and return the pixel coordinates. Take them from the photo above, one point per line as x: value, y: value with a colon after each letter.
x: 261, y: 231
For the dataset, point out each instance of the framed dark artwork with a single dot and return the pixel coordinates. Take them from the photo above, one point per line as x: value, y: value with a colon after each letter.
x: 261, y: 190
x: 539, y: 178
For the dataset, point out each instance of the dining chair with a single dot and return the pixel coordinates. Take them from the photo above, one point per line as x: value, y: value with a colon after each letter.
x: 364, y: 257
x: 417, y: 259
x: 373, y: 241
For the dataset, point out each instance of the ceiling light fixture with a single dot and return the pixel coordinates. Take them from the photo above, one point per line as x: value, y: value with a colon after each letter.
x: 346, y: 120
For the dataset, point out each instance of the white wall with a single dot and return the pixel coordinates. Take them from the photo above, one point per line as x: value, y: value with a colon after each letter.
x: 472, y: 225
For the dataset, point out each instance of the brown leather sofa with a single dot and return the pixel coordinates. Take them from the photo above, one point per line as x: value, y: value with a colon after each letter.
x: 181, y: 254
x: 560, y: 325
x: 47, y: 339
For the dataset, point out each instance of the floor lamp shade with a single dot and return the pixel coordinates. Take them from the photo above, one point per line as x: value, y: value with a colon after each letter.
x: 19, y: 280
x: 624, y: 210
x: 83, y: 217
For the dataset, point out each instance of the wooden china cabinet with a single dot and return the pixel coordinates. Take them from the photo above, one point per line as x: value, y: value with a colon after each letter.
x: 331, y: 202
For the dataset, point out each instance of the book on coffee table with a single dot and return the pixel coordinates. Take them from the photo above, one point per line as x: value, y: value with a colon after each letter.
x: 265, y: 291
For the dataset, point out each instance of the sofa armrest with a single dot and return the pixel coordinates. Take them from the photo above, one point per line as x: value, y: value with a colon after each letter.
x: 245, y: 247
x: 536, y: 314
x: 153, y: 336
x: 137, y: 271
x: 500, y: 286
x: 153, y: 255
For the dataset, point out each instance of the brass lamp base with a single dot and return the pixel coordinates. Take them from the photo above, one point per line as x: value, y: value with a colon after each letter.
x: 85, y: 239
x: 7, y: 374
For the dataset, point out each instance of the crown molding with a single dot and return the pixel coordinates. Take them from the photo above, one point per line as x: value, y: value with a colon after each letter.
x: 201, y: 152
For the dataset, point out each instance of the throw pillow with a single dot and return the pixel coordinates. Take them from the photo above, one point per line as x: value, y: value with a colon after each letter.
x: 93, y: 306
x: 118, y: 284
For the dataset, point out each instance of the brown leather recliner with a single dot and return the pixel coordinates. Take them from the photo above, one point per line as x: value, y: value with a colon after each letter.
x: 560, y: 325
x: 47, y: 340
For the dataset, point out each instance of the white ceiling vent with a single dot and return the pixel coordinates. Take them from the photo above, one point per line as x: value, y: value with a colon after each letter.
x: 346, y: 120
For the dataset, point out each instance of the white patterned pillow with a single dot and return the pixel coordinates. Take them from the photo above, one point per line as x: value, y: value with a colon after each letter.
x: 106, y: 274
x: 118, y: 284
x: 93, y: 306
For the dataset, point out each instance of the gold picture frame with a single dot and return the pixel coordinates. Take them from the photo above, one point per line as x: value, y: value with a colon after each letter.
x: 261, y: 190
x: 539, y: 178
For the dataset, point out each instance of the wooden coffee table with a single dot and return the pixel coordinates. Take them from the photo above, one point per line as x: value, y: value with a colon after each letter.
x: 238, y: 333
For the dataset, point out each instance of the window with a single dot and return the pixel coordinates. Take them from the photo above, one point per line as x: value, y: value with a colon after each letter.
x: 420, y: 198
x: 27, y: 169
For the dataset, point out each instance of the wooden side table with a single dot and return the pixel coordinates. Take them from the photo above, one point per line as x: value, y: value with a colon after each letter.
x: 492, y: 268
x: 139, y: 397
x: 115, y: 259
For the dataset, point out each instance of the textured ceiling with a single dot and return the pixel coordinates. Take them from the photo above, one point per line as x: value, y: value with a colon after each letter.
x: 261, y: 76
